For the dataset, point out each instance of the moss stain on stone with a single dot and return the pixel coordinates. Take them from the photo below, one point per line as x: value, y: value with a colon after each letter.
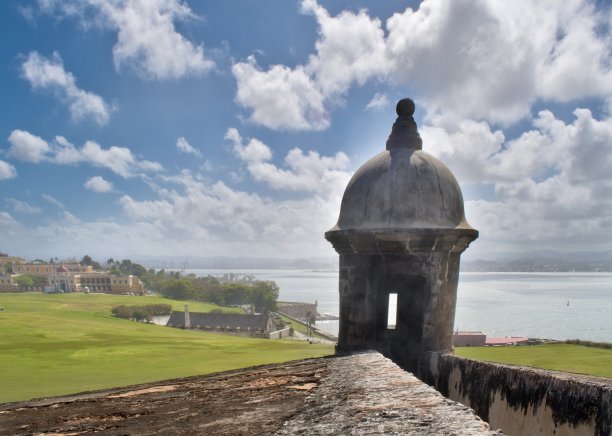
x: 572, y: 401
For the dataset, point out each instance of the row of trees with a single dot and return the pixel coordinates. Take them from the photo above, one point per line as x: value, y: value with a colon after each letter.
x: 141, y: 313
x: 261, y: 294
x: 28, y: 280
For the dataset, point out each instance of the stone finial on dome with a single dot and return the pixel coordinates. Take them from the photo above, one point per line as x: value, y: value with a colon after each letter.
x: 405, y: 108
x: 404, y: 133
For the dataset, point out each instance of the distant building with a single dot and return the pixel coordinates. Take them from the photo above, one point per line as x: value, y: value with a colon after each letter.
x: 67, y: 281
x: 46, y: 269
x: 512, y: 340
x: 479, y: 339
x: 5, y: 258
x: 469, y: 339
x: 7, y: 284
x: 296, y: 309
x: 229, y: 323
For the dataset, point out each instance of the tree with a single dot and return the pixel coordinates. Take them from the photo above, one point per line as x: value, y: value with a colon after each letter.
x: 264, y: 296
x: 27, y: 280
x: 311, y: 319
x: 177, y: 289
x: 138, y: 270
x: 87, y: 260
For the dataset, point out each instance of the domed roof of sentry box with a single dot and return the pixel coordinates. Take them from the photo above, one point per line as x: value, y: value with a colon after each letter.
x: 403, y: 187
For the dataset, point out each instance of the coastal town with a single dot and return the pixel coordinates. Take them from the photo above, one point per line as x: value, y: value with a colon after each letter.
x: 18, y: 274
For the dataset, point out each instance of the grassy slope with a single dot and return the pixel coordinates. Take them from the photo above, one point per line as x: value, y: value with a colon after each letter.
x: 61, y: 344
x: 558, y: 357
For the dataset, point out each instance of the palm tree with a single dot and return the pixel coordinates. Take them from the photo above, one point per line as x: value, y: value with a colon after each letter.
x: 310, y: 320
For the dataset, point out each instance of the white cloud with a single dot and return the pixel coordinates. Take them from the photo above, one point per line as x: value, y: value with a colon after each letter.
x: 147, y: 40
x: 492, y: 60
x: 52, y: 200
x: 27, y: 147
x: 117, y: 159
x: 379, y: 101
x: 189, y: 213
x: 150, y: 166
x: 305, y: 171
x: 23, y: 207
x: 280, y: 98
x: 350, y: 49
x: 7, y: 171
x: 254, y: 151
x: 49, y: 74
x: 98, y: 184
x: 12, y: 231
x: 120, y: 160
x: 220, y: 219
x: 551, y: 184
x: 185, y: 147
x: 64, y: 152
x: 484, y: 60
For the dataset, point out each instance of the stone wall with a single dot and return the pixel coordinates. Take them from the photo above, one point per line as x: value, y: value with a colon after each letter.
x: 525, y: 401
x: 280, y: 334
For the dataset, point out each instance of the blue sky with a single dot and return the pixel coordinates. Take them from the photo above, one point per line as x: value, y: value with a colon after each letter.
x: 184, y: 128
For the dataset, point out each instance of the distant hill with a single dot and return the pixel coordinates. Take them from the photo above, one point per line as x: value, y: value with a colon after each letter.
x: 544, y: 261
x: 529, y: 261
x: 233, y: 263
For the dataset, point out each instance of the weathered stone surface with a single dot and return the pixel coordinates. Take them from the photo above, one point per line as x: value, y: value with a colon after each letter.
x: 253, y: 401
x: 367, y: 394
x: 361, y: 394
x: 522, y: 400
x: 401, y: 230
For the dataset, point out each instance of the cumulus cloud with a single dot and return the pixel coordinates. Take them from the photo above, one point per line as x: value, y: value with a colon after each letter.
x: 492, y: 60
x: 120, y: 160
x: 484, y: 60
x: 27, y: 147
x: 98, y: 184
x: 197, y: 214
x: 190, y: 213
x: 350, y: 49
x: 551, y: 184
x: 48, y: 74
x: 23, y: 207
x: 308, y: 172
x: 148, y: 42
x: 185, y: 147
x: 116, y: 159
x: 7, y: 171
x: 280, y: 98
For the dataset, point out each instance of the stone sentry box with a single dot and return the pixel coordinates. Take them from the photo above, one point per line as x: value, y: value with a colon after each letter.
x: 401, y: 231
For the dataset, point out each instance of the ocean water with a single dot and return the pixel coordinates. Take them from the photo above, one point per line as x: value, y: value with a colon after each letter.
x: 540, y: 305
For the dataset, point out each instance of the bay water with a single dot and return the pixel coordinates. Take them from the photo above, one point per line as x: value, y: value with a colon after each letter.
x: 536, y: 305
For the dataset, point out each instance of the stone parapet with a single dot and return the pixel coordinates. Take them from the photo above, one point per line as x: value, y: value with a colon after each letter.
x: 367, y: 394
x: 526, y: 401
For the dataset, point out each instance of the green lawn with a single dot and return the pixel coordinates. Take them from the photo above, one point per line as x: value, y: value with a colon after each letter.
x: 558, y: 357
x: 66, y: 343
